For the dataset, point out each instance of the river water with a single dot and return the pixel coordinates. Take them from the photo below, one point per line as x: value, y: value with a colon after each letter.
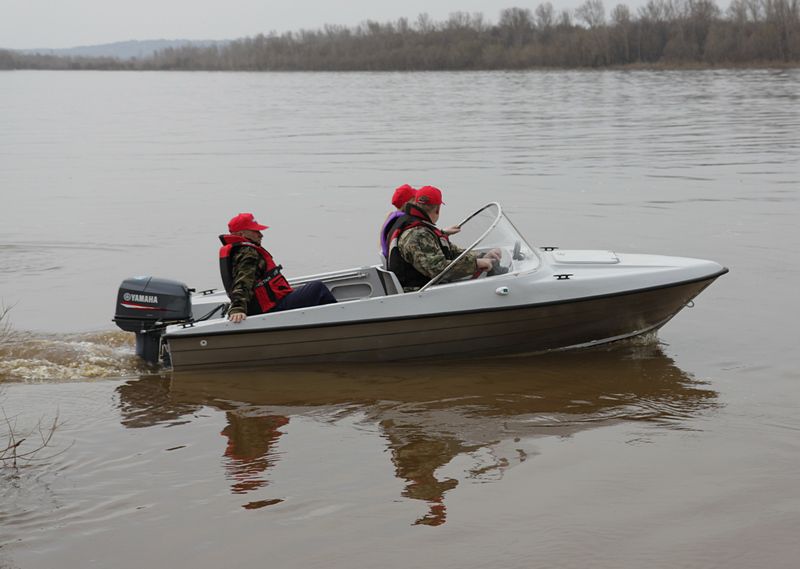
x: 676, y: 450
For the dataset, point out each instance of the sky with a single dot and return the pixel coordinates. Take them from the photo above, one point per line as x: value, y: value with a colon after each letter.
x: 30, y: 24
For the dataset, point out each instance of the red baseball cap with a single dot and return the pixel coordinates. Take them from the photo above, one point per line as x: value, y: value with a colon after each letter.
x: 402, y: 195
x: 244, y: 221
x: 428, y: 195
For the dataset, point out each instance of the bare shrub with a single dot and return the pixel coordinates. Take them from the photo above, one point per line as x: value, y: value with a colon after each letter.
x: 5, y: 325
x: 22, y: 445
x: 25, y: 445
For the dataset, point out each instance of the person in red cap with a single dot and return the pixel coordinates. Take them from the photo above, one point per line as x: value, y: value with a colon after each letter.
x: 418, y: 250
x: 402, y: 195
x: 252, y: 279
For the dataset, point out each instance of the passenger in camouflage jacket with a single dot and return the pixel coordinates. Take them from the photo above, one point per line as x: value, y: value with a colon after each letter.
x: 249, y: 266
x: 419, y: 246
x: 247, y: 263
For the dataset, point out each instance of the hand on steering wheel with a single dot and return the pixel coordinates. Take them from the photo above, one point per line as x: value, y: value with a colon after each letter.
x: 485, y: 264
x: 494, y: 254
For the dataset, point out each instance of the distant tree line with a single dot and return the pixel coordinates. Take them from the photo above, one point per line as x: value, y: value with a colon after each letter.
x: 663, y: 32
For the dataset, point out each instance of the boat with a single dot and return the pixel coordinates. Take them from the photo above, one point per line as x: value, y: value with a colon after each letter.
x: 536, y: 299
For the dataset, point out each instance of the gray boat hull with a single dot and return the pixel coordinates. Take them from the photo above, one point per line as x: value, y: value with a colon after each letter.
x: 466, y: 334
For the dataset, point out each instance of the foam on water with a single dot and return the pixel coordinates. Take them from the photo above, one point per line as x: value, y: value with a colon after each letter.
x: 33, y: 357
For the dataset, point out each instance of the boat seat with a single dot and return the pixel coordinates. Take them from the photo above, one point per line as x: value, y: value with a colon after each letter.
x: 389, y: 280
x: 356, y: 283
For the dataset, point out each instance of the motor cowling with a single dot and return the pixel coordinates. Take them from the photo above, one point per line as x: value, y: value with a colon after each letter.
x: 146, y: 305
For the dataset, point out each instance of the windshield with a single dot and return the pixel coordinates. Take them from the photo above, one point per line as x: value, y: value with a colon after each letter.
x: 485, y: 230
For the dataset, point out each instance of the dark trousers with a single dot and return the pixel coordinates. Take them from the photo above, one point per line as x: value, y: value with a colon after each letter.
x: 310, y: 294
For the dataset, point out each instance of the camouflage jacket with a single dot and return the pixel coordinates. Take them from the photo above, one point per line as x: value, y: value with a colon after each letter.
x: 419, y: 247
x: 248, y: 264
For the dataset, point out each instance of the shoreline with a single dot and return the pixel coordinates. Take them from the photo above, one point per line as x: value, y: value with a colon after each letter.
x: 657, y: 66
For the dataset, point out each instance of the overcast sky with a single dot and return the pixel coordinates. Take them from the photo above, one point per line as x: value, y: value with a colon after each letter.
x: 71, y: 23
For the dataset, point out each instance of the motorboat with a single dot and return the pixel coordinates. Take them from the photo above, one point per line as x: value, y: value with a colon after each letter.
x: 536, y: 299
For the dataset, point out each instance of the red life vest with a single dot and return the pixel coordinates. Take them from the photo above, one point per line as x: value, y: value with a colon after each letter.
x: 270, y: 286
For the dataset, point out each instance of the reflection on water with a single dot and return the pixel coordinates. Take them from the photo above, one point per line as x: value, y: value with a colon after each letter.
x: 248, y: 454
x: 429, y: 415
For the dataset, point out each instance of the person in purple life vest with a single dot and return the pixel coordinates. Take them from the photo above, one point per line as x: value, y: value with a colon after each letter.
x: 403, y: 195
x: 252, y: 278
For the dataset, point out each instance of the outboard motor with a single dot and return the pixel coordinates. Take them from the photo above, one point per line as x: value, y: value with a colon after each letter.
x: 146, y: 306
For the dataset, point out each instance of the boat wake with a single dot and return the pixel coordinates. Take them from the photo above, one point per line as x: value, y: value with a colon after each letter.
x: 26, y: 356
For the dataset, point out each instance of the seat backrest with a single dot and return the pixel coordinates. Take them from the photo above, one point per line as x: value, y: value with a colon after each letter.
x: 389, y: 280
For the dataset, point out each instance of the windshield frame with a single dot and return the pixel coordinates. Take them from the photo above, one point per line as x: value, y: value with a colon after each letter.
x: 466, y: 251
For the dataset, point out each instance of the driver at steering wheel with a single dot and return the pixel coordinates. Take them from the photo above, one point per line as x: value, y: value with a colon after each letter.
x: 418, y: 250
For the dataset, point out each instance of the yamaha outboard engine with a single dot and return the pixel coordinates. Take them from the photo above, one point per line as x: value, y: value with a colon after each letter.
x: 146, y: 306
